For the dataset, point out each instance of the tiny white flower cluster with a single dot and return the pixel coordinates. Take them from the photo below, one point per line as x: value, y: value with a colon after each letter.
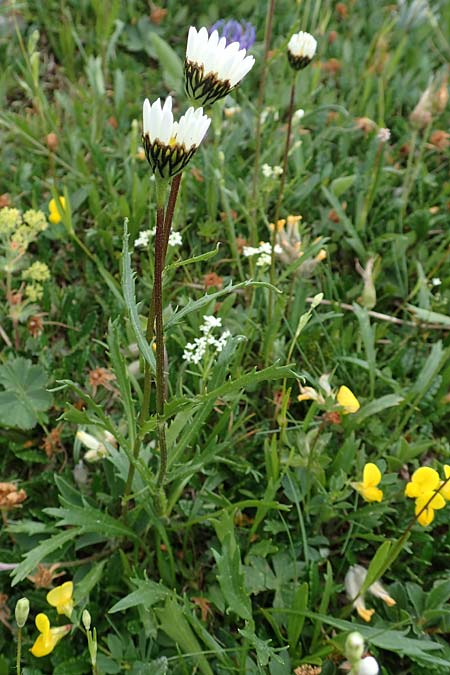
x: 383, y: 135
x: 175, y: 238
x: 270, y: 110
x: 298, y: 115
x: 271, y: 171
x: 263, y: 251
x: 195, y: 351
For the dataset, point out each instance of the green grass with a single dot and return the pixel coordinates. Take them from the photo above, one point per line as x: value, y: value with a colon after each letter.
x: 261, y: 519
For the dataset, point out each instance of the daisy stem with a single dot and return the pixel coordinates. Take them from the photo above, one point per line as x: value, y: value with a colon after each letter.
x: 19, y: 650
x: 281, y: 193
x: 262, y: 88
x: 163, y: 224
x: 163, y: 227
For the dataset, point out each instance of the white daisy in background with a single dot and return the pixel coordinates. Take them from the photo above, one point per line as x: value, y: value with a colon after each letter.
x: 212, y: 68
x: 170, y: 145
x: 301, y: 49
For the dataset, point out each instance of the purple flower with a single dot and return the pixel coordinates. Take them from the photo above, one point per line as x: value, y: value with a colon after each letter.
x: 236, y: 31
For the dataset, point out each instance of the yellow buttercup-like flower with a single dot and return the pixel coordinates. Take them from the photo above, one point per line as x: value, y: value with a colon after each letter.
x: 368, y: 487
x: 347, y: 400
x: 61, y: 598
x: 55, y: 216
x: 48, y: 638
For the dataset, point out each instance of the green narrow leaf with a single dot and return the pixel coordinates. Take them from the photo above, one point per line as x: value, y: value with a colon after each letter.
x: 296, y: 621
x: 427, y: 316
x: 377, y: 406
x: 342, y: 184
x: 368, y: 336
x: 89, y: 581
x: 229, y: 569
x: 40, y: 552
x: 89, y: 519
x: 354, y: 240
x: 129, y: 295
x: 170, y: 62
x: 148, y: 593
x: 175, y: 625
x: 198, y: 258
x: 122, y: 378
x: 377, y: 565
x: 195, y: 305
x: 430, y: 369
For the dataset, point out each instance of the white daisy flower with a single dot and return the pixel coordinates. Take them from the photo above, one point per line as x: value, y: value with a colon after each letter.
x: 170, y: 145
x: 212, y: 68
x: 301, y: 49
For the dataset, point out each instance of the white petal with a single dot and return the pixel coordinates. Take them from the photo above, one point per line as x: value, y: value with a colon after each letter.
x: 191, y: 41
x: 155, y: 120
x: 146, y: 113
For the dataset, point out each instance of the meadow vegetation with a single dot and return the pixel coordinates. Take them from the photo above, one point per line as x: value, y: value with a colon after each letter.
x: 225, y: 392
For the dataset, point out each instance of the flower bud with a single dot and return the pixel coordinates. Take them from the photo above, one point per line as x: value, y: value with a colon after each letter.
x: 86, y: 619
x: 368, y: 666
x: 354, y: 646
x: 22, y: 610
x: 52, y: 141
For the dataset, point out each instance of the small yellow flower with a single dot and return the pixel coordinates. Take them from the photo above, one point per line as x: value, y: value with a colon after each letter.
x: 61, y: 598
x: 55, y: 216
x: 347, y: 400
x: 368, y: 488
x: 293, y: 220
x: 445, y: 491
x: 48, y: 638
x: 423, y: 481
x: 426, y: 516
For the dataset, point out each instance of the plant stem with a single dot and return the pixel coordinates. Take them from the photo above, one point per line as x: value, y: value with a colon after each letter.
x: 163, y: 227
x: 19, y: 650
x: 160, y: 238
x: 280, y: 194
x: 262, y: 88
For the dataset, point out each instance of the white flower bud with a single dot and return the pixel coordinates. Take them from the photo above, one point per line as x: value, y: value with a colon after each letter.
x: 368, y: 666
x: 354, y: 646
x: 22, y: 610
x: 86, y: 619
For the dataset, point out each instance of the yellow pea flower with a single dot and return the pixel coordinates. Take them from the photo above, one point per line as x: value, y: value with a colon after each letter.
x: 347, y: 399
x: 368, y: 488
x: 48, y: 638
x: 427, y: 516
x: 61, y: 598
x: 423, y: 480
x: 55, y: 216
x: 445, y: 491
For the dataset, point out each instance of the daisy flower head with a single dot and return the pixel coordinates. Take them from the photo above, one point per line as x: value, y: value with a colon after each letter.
x: 212, y: 67
x: 170, y: 145
x: 301, y: 49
